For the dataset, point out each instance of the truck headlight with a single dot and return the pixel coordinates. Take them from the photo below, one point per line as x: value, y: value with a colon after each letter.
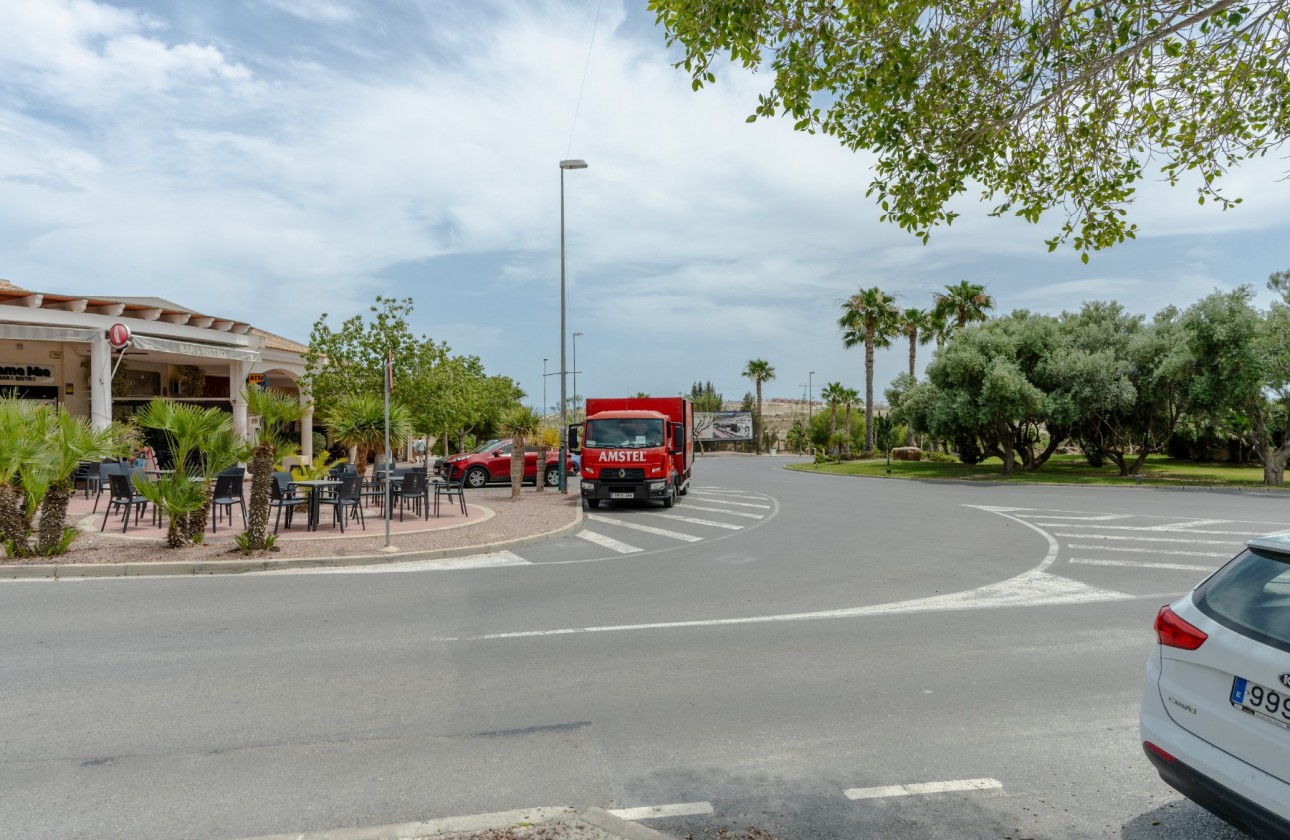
x: 588, y: 485
x: 656, y: 486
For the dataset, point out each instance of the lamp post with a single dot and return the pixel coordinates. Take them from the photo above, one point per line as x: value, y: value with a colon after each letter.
x: 575, y: 375
x: 810, y: 408
x: 564, y: 420
x: 544, y: 405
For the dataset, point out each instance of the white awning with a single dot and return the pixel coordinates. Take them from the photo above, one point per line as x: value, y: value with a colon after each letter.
x: 22, y: 332
x: 192, y: 348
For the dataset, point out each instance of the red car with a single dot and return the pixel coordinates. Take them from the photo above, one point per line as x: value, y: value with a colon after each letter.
x: 491, y: 461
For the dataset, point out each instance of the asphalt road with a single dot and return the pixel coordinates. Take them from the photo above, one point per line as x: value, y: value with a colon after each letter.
x: 780, y: 655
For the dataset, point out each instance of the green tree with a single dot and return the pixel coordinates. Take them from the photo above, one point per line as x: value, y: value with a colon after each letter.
x: 705, y: 397
x: 69, y: 441
x: 759, y: 371
x: 1040, y: 106
x: 869, y: 317
x: 358, y: 420
x: 963, y: 304
x: 275, y: 409
x: 850, y: 397
x: 835, y: 395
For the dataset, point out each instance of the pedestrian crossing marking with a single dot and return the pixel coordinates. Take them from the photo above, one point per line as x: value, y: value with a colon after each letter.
x: 719, y: 500
x: 636, y: 526
x: 694, y: 521
x: 608, y: 542
x: 1151, y: 551
x: 727, y: 512
x: 1147, y: 539
x: 1181, y: 567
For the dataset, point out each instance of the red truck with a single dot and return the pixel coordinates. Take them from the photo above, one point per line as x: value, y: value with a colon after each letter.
x: 636, y: 448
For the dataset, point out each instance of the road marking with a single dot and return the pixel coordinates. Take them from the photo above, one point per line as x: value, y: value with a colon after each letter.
x: 649, y: 812
x: 727, y: 512
x: 1174, y: 526
x: 1245, y: 534
x: 1147, y: 539
x: 679, y: 518
x: 1153, y: 551
x: 1183, y: 567
x: 923, y: 788
x: 607, y: 542
x: 1097, y: 518
x: 636, y: 526
x: 721, y: 501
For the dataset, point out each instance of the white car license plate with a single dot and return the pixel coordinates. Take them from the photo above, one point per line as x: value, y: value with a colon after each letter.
x: 622, y: 495
x: 1254, y: 699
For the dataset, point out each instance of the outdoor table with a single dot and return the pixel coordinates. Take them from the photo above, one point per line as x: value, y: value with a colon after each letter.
x: 314, y: 497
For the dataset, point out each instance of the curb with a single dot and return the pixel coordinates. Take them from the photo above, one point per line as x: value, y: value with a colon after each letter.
x: 596, y: 817
x: 220, y: 567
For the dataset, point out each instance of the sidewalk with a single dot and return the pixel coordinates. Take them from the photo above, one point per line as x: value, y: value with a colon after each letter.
x: 493, y: 522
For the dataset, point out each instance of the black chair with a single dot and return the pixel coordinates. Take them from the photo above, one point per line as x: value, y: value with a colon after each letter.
x: 280, y: 498
x: 449, y: 488
x: 123, y: 495
x: 412, y: 488
x: 99, y: 480
x: 229, y: 492
x: 82, y: 475
x: 349, y: 494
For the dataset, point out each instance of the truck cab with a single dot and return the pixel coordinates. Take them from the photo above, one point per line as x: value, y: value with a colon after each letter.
x: 636, y: 449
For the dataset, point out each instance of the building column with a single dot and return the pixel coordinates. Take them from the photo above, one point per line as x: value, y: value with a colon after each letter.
x: 306, y: 430
x: 100, y: 382
x: 238, y: 371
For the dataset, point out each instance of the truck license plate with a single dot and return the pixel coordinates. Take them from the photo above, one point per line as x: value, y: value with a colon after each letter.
x: 622, y: 495
x: 1254, y: 699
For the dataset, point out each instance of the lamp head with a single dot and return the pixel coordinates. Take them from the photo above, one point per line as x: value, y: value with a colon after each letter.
x: 573, y: 164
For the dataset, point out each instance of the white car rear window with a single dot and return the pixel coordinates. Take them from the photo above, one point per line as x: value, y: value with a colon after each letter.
x: 1251, y: 595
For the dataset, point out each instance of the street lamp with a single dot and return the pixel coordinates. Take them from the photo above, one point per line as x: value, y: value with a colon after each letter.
x: 544, y: 406
x: 564, y: 420
x: 810, y: 407
x: 575, y: 375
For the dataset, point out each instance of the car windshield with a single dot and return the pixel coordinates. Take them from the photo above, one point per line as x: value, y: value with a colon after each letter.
x: 624, y: 433
x: 1251, y: 595
x: 484, y: 447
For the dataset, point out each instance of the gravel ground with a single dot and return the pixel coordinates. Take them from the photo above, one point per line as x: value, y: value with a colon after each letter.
x: 534, y: 513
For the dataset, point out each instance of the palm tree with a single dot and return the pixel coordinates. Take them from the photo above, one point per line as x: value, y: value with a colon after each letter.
x: 275, y: 409
x: 938, y: 329
x: 69, y: 441
x: 869, y: 317
x: 913, y: 322
x: 358, y: 420
x: 759, y: 371
x: 964, y: 303
x: 21, y: 446
x: 833, y: 394
x: 521, y: 424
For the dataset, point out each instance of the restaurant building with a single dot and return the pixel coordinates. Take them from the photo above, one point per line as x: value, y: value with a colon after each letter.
x: 55, y: 348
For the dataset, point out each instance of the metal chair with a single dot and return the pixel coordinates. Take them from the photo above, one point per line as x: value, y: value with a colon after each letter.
x: 449, y: 488
x: 123, y: 495
x: 228, y: 492
x: 100, y: 480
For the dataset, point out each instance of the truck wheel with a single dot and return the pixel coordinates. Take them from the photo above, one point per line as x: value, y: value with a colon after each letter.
x: 476, y: 477
x: 552, y: 475
x: 591, y: 504
x: 669, y: 499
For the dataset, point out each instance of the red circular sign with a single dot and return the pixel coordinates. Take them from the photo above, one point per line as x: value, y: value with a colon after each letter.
x: 119, y: 336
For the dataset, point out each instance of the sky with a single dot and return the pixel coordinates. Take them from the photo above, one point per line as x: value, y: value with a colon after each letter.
x: 274, y: 160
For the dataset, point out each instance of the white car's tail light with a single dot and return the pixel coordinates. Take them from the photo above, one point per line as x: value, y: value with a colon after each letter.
x: 1172, y: 631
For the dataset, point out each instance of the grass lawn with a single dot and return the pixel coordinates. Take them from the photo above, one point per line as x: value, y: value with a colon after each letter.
x: 1158, y: 470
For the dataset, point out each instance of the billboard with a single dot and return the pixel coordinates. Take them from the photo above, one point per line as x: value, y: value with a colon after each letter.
x: 717, y: 426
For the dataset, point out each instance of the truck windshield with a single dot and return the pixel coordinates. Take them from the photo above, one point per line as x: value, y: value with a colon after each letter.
x: 627, y: 433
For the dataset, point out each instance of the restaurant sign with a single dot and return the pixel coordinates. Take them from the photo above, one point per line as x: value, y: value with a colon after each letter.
x: 26, y: 374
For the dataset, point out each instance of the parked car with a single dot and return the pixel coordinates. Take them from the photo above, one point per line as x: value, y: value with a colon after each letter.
x: 491, y: 461
x: 1215, y: 717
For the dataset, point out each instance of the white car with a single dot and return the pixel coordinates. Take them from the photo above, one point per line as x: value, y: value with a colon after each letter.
x: 1215, y: 715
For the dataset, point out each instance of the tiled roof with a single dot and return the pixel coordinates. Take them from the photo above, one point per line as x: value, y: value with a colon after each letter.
x: 5, y: 285
x: 277, y: 342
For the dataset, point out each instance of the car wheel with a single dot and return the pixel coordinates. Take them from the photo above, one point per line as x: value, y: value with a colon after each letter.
x: 476, y: 477
x: 591, y: 504
x: 553, y: 475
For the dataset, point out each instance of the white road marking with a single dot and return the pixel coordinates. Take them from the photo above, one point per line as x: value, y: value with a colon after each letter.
x: 442, y: 564
x: 1095, y: 518
x: 1245, y: 534
x: 679, y: 518
x: 1177, y: 566
x: 649, y: 812
x: 608, y: 542
x: 718, y: 500
x: 636, y: 526
x: 727, y: 512
x: 1175, y: 526
x: 1153, y: 551
x: 1148, y: 539
x: 923, y: 788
